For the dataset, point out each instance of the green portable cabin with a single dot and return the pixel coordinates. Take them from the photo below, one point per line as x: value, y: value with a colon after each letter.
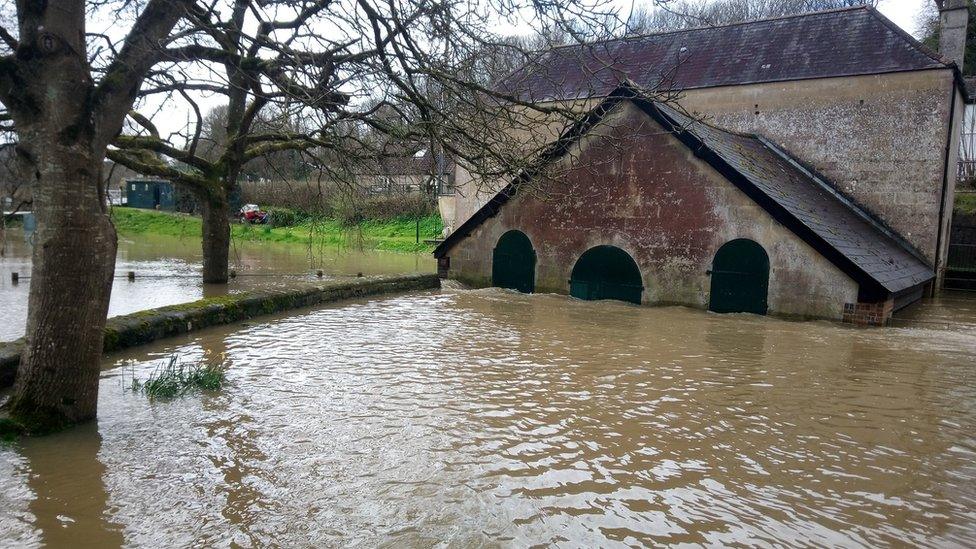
x: 150, y: 194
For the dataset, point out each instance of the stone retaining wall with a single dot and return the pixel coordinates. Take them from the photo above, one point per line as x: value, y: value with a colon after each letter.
x: 144, y: 327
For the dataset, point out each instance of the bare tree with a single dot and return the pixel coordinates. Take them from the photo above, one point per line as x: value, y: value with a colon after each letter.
x: 68, y: 91
x: 394, y: 73
x: 64, y: 118
x: 14, y: 194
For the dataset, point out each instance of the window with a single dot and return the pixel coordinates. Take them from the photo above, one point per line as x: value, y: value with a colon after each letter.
x: 445, y: 185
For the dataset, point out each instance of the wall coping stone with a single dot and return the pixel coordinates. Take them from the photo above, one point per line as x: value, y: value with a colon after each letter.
x: 142, y: 327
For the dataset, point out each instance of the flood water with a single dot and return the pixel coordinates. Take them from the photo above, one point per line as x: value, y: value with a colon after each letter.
x: 486, y: 418
x: 168, y: 271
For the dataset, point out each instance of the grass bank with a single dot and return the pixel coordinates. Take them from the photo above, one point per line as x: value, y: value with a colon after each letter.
x: 398, y: 235
x: 965, y: 203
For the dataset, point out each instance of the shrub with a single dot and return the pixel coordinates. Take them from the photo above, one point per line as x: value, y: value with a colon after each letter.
x: 355, y: 210
x: 285, y: 217
x: 305, y: 197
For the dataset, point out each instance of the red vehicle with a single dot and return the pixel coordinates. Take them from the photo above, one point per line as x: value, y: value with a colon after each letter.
x: 252, y: 214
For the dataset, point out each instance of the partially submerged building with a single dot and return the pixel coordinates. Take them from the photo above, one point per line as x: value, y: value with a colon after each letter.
x: 806, y: 168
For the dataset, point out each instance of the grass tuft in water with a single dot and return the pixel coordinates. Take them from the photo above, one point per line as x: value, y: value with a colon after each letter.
x: 175, y: 378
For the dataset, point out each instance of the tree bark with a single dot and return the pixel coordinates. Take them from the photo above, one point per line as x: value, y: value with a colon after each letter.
x: 64, y: 123
x: 70, y: 286
x: 216, y: 238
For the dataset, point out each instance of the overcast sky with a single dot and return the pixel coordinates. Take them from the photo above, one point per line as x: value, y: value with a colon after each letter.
x: 903, y: 12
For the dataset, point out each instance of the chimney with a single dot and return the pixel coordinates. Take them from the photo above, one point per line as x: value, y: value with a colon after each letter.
x: 953, y: 18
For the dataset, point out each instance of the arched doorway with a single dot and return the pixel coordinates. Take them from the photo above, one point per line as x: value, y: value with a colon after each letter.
x: 740, y: 278
x: 606, y: 272
x: 513, y: 263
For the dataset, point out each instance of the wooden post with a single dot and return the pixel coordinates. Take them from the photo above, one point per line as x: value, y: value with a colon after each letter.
x: 14, y: 278
x: 132, y: 276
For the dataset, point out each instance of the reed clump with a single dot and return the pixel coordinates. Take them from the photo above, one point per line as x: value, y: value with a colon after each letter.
x: 174, y: 378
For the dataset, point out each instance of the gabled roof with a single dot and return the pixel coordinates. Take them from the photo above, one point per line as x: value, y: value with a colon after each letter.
x: 844, y: 42
x: 845, y: 233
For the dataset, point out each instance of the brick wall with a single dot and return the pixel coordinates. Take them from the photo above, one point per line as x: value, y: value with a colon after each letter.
x: 869, y: 314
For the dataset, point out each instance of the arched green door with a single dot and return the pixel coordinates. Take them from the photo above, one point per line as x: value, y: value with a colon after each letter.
x: 606, y: 272
x: 740, y: 278
x: 513, y: 263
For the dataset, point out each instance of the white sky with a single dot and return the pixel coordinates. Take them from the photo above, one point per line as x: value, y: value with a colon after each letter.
x: 903, y: 12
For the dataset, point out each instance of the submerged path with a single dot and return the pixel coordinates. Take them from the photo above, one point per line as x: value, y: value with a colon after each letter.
x: 143, y: 327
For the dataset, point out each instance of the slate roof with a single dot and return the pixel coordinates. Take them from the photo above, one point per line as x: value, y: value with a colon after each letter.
x: 846, y: 234
x: 811, y: 207
x: 844, y: 42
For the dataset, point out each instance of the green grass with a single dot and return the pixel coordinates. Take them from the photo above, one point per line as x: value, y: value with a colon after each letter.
x: 174, y: 378
x: 398, y: 235
x: 965, y: 203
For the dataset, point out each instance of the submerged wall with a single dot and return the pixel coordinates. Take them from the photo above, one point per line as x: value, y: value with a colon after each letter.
x: 632, y: 185
x: 144, y: 327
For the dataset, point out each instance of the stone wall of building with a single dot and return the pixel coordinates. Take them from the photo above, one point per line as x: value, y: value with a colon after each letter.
x: 631, y: 185
x: 882, y: 139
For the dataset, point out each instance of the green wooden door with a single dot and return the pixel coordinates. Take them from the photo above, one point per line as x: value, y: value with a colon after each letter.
x: 606, y: 272
x: 740, y: 278
x: 513, y: 263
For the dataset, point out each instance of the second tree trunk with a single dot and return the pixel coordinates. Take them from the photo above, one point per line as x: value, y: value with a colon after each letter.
x: 216, y: 239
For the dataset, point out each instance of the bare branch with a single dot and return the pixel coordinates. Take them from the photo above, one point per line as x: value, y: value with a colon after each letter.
x: 141, y: 51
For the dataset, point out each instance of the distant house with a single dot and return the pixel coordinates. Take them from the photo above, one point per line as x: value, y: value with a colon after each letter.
x: 422, y: 173
x: 814, y: 176
x: 150, y: 194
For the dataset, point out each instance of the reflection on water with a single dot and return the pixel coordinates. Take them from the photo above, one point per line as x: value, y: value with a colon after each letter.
x: 491, y: 418
x: 168, y: 271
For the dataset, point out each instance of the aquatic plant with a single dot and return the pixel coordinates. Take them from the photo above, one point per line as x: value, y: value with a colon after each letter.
x: 174, y: 378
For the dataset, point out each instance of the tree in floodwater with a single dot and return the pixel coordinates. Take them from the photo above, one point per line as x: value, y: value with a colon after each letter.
x: 67, y: 93
x: 341, y: 84
x: 67, y: 100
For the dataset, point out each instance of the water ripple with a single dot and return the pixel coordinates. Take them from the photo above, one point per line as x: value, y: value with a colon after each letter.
x: 470, y: 418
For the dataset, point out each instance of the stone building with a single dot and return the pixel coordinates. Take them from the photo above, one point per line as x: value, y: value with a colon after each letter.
x: 805, y: 167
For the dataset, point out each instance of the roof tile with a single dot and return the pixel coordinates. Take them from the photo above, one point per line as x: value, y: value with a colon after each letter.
x: 824, y: 44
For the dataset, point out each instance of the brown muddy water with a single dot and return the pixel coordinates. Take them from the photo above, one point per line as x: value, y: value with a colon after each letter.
x: 487, y: 418
x: 168, y: 272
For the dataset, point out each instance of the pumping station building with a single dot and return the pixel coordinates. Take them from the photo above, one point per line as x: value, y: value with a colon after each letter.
x: 804, y: 168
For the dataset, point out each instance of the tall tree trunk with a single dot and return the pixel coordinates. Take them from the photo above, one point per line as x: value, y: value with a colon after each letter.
x: 216, y: 237
x: 70, y: 286
x: 64, y: 123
